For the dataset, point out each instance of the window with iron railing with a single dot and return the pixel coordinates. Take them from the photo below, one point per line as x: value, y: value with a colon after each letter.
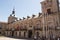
x: 7, y: 29
x: 23, y: 28
x: 50, y: 28
x: 18, y: 28
x: 57, y: 28
x: 38, y: 28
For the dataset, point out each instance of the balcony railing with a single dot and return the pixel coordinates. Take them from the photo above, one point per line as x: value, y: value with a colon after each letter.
x: 12, y: 29
x: 23, y: 28
x: 57, y: 28
x: 7, y: 29
x: 38, y: 28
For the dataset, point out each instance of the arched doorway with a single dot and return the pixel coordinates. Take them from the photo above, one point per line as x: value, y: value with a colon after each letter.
x: 12, y: 32
x: 29, y: 33
x: 37, y: 34
x: 0, y: 32
x: 57, y: 38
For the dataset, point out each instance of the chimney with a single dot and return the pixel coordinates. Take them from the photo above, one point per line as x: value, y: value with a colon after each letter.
x: 14, y: 15
x: 28, y: 17
x: 10, y: 14
x: 39, y: 14
x: 20, y: 19
x: 23, y: 18
x: 33, y: 16
x: 17, y: 20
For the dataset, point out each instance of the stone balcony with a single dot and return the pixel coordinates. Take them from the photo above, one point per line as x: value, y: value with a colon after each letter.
x: 23, y: 28
x: 38, y: 28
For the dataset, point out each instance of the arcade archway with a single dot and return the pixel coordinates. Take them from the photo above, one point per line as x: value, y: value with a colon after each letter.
x: 30, y: 33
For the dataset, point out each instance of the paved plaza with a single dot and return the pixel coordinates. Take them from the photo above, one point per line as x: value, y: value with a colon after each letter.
x: 7, y: 38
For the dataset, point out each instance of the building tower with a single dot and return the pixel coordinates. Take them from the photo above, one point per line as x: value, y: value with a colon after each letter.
x: 50, y: 10
x: 50, y: 6
x: 12, y: 17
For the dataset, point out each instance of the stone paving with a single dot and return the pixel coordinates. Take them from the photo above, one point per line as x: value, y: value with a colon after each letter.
x: 7, y: 38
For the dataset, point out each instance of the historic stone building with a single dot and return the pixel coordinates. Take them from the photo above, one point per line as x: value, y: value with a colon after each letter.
x: 3, y: 26
x: 46, y: 25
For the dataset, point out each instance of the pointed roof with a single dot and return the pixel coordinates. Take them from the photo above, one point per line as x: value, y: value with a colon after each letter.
x: 13, y: 12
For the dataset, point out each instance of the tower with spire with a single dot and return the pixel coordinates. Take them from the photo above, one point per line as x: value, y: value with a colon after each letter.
x: 13, y: 12
x: 12, y: 17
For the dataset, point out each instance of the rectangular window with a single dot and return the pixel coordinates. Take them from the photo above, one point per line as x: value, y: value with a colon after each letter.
x: 49, y: 11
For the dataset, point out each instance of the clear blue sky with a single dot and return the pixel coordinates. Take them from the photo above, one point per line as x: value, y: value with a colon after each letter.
x: 22, y: 8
